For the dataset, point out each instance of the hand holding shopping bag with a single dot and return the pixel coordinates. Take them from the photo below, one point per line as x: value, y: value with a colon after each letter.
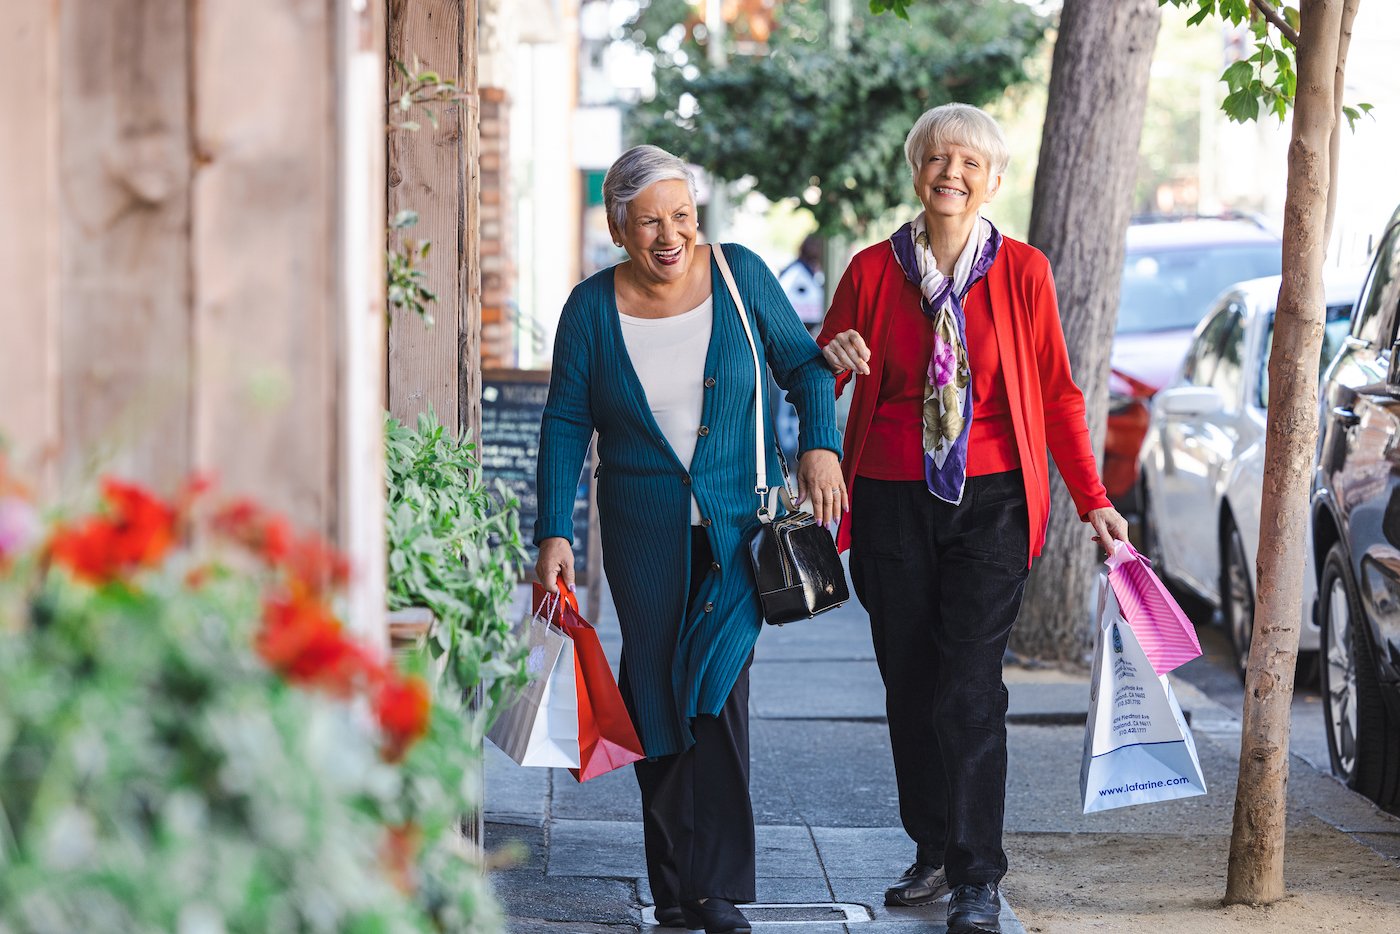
x: 1137, y: 746
x: 607, y: 738
x: 572, y: 717
x: 1162, y: 629
x: 540, y: 727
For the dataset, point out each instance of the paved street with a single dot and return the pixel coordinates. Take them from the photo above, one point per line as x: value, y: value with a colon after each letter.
x: 823, y: 789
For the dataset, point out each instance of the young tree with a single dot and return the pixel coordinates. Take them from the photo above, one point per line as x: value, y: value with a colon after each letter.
x: 822, y: 121
x: 1079, y: 216
x: 1299, y: 61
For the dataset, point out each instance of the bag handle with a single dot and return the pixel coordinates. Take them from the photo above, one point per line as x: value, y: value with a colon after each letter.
x: 760, y: 485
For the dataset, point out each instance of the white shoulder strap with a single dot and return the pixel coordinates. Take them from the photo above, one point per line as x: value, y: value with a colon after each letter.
x: 760, y: 484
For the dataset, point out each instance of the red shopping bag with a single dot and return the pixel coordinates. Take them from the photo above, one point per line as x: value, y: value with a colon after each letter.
x: 607, y: 739
x: 1167, y: 637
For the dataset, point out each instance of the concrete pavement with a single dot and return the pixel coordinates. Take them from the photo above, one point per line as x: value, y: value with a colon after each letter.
x: 829, y: 836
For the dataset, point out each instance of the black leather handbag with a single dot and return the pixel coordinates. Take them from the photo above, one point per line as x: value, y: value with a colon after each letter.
x: 795, y: 563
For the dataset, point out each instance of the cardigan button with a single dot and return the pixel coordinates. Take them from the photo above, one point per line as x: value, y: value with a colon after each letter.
x: 705, y: 523
x: 714, y: 565
x: 710, y: 383
x: 709, y: 608
x: 685, y: 481
x: 704, y: 430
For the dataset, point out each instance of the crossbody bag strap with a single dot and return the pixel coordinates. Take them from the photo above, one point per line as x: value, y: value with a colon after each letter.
x: 761, y: 487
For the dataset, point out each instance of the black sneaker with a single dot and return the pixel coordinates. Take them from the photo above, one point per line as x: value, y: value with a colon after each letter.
x: 974, y: 908
x: 921, y: 884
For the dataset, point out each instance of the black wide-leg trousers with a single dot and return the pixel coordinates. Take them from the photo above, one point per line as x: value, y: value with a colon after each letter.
x: 697, y: 819
x: 943, y: 585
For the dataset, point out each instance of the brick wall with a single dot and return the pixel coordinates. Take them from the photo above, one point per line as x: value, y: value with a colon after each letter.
x: 497, y: 262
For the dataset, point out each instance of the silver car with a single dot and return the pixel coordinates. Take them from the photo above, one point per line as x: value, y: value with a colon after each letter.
x: 1203, y: 457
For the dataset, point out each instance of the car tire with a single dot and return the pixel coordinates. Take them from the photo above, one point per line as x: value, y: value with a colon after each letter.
x: 1363, y: 742
x: 1236, y: 595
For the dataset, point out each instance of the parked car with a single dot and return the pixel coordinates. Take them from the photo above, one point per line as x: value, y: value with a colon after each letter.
x: 1171, y: 273
x: 1203, y: 455
x: 1356, y: 538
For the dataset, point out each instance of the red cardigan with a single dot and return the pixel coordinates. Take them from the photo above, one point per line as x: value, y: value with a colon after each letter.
x: 1047, y: 408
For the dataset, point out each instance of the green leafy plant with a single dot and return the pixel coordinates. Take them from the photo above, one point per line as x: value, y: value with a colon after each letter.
x: 454, y: 547
x: 408, y: 286
x: 190, y: 740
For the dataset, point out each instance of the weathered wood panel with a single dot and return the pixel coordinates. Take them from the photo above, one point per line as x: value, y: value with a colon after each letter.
x: 124, y: 328
x: 265, y: 249
x: 425, y: 173
x: 469, y: 259
x: 29, y: 237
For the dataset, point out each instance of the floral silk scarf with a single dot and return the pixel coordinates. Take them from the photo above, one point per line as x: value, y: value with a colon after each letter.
x: 948, y: 399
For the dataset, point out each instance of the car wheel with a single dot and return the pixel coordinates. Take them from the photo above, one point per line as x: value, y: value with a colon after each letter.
x: 1236, y: 595
x: 1361, y: 741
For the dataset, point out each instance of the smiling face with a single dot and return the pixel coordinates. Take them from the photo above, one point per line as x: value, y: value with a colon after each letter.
x: 660, y: 232
x: 953, y: 182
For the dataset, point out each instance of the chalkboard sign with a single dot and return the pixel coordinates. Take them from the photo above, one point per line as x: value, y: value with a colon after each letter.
x: 512, y: 407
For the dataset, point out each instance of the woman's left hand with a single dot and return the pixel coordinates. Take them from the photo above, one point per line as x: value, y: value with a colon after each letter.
x: 819, y: 480
x: 1109, y: 527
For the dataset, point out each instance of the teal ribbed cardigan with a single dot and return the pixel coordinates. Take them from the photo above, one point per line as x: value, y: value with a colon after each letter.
x: 678, y: 666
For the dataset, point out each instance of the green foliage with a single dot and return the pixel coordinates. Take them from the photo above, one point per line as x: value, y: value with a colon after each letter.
x: 821, y: 124
x: 408, y: 283
x: 1267, y: 81
x: 155, y: 775
x: 454, y: 546
x: 900, y: 8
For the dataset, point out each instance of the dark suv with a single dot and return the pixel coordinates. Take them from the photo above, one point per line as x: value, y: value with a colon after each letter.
x: 1356, y: 537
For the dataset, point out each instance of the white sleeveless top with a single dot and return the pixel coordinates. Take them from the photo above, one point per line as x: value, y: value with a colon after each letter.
x: 669, y: 357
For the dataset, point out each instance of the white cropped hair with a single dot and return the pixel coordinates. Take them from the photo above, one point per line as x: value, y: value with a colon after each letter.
x: 957, y: 125
x: 636, y: 169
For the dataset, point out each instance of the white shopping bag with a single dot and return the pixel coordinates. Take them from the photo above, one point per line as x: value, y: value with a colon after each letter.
x: 540, y: 726
x: 1137, y: 746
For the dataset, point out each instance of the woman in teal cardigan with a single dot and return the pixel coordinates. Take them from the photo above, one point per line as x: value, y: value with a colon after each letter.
x: 651, y: 355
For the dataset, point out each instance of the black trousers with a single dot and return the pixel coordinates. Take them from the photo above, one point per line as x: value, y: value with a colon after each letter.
x: 697, y: 819
x: 943, y: 585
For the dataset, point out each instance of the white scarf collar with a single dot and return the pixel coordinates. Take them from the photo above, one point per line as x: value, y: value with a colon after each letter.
x: 931, y: 278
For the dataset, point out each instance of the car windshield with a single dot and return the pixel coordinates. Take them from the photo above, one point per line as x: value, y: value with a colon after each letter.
x: 1171, y: 289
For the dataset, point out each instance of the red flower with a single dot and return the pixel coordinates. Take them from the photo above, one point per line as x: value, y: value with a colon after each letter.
x: 308, y: 561
x: 402, y: 706
x: 302, y: 639
x: 137, y: 531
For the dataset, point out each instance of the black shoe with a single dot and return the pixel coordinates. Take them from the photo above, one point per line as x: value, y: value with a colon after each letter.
x: 920, y: 885
x: 672, y: 917
x: 974, y: 908
x: 716, y: 916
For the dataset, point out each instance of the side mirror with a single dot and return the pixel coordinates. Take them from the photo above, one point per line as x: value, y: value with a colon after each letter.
x: 1191, y: 401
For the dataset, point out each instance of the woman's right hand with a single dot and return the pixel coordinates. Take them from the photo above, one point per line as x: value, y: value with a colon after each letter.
x: 556, y: 558
x: 847, y: 351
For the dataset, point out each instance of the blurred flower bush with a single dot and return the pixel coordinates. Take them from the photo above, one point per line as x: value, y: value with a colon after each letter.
x: 190, y: 740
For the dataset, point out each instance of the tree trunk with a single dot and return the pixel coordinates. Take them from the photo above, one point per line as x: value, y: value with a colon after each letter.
x: 1082, y: 201
x: 1256, y: 845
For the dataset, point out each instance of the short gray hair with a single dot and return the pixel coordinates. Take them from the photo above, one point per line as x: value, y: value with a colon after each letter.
x: 960, y: 125
x: 636, y: 169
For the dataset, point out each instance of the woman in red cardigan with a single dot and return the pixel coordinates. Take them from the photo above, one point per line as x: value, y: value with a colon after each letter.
x: 964, y: 381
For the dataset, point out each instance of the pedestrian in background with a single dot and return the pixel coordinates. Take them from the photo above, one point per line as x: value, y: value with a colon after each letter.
x: 804, y: 283
x: 651, y: 354
x: 964, y: 380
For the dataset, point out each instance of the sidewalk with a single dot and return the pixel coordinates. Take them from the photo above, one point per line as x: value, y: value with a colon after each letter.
x: 829, y: 836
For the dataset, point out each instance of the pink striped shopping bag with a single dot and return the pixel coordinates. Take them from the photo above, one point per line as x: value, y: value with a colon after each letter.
x: 1162, y: 629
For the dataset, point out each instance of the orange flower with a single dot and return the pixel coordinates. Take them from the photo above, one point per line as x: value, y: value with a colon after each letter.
x: 137, y: 531
x: 402, y: 706
x: 302, y: 639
